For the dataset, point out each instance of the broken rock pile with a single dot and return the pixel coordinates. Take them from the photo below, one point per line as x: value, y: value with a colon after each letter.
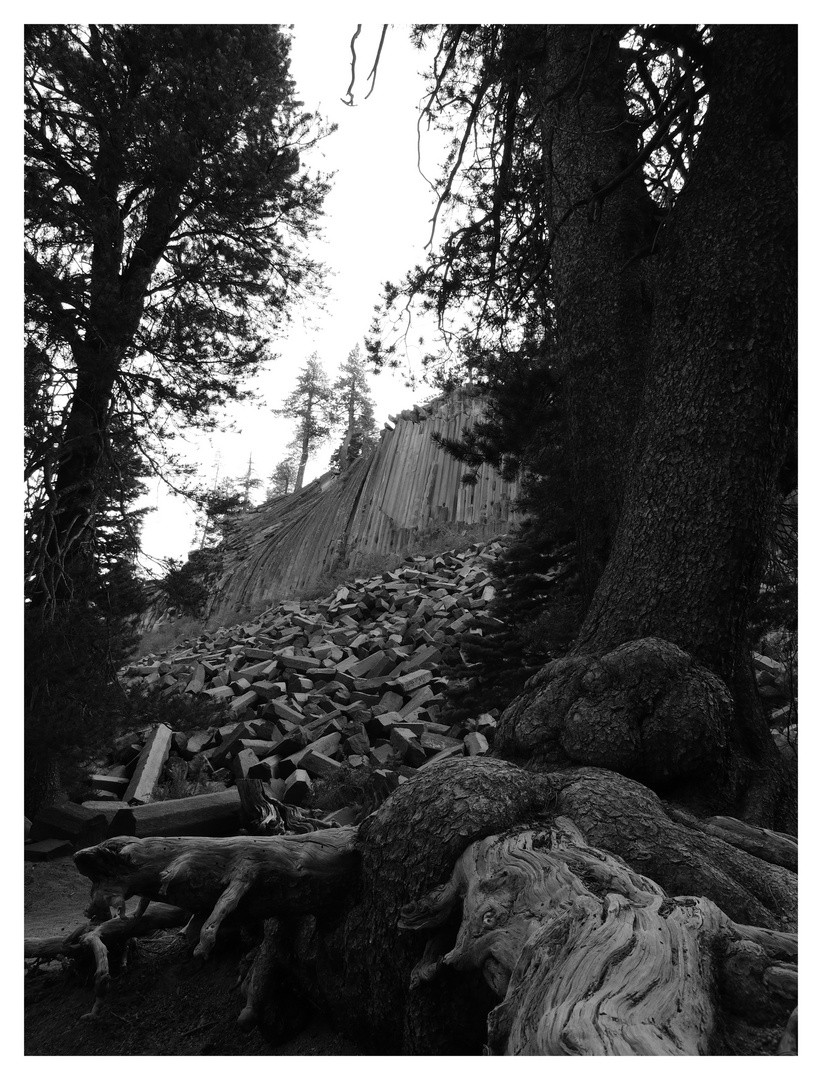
x: 312, y: 688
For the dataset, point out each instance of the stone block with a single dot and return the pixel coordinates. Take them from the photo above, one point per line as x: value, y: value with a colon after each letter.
x: 407, y: 684
x: 242, y: 762
x: 297, y: 663
x: 230, y: 745
x: 214, y: 814
x: 69, y: 821
x: 265, y: 769
x: 44, y: 850
x: 104, y: 782
x: 298, y: 787
x: 475, y: 743
x: 244, y: 701
x: 381, y: 755
x: 199, y: 741
x: 108, y: 809
x: 286, y: 712
x: 220, y: 693
x: 432, y: 742
x: 346, y: 815
x: 407, y: 747
x: 390, y: 701
x: 320, y: 765
x: 267, y: 690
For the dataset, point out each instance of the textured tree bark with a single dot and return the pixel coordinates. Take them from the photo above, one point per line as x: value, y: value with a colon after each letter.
x: 337, y: 931
x: 116, y: 301
x: 257, y: 876
x: 688, y: 554
x: 701, y: 488
x: 602, y: 302
x: 590, y: 958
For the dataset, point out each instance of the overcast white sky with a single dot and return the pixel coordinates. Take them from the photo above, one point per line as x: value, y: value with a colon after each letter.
x: 375, y: 228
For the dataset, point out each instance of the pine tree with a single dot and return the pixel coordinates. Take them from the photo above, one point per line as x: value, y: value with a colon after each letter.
x: 166, y: 214
x: 355, y: 408
x: 608, y: 171
x: 283, y: 478
x: 310, y: 404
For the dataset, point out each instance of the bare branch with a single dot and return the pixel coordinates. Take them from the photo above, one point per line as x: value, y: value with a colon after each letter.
x: 350, y: 91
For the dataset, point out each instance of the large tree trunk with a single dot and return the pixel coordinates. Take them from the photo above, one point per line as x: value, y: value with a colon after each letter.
x: 116, y: 299
x: 689, y: 551
x: 305, y: 448
x: 77, y: 490
x: 342, y: 908
x: 601, y: 299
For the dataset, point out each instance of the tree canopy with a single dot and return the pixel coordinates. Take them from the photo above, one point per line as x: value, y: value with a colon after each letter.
x: 310, y: 404
x: 600, y: 267
x: 620, y: 275
x: 352, y: 400
x: 166, y: 216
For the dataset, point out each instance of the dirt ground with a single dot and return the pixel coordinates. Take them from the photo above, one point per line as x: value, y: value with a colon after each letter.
x: 165, y: 1003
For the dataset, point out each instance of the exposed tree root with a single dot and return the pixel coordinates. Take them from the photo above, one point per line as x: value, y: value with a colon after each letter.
x: 567, y: 920
x: 102, y: 938
x: 266, y: 816
x: 773, y: 847
x: 262, y: 876
x: 645, y: 709
x: 590, y: 957
x: 627, y: 818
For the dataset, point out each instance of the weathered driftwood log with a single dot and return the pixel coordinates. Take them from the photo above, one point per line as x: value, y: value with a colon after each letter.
x: 590, y: 957
x: 101, y: 938
x: 262, y: 876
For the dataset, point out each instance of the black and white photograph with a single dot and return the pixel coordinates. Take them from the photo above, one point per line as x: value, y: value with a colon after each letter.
x: 410, y: 562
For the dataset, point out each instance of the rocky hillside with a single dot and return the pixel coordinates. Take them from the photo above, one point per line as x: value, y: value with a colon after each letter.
x: 347, y: 688
x: 405, y: 487
x: 327, y: 703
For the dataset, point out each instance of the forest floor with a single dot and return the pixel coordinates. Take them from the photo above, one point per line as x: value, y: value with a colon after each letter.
x: 166, y: 1003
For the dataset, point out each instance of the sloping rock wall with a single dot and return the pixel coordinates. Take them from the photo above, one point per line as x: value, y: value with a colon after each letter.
x: 405, y: 487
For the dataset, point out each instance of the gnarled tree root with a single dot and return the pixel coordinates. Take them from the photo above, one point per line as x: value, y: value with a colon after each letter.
x: 333, y: 899
x: 261, y: 876
x: 589, y: 957
x: 264, y: 815
x: 101, y: 938
x: 766, y: 844
x: 646, y: 709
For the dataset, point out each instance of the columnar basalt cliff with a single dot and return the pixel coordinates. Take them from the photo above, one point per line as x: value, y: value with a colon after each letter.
x: 406, y: 486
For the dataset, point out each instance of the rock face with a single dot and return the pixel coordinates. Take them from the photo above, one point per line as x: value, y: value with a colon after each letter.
x: 406, y: 486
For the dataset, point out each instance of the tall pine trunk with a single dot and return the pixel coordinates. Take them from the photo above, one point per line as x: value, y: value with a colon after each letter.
x: 305, y: 448
x: 700, y: 500
x: 700, y: 497
x: 601, y: 302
